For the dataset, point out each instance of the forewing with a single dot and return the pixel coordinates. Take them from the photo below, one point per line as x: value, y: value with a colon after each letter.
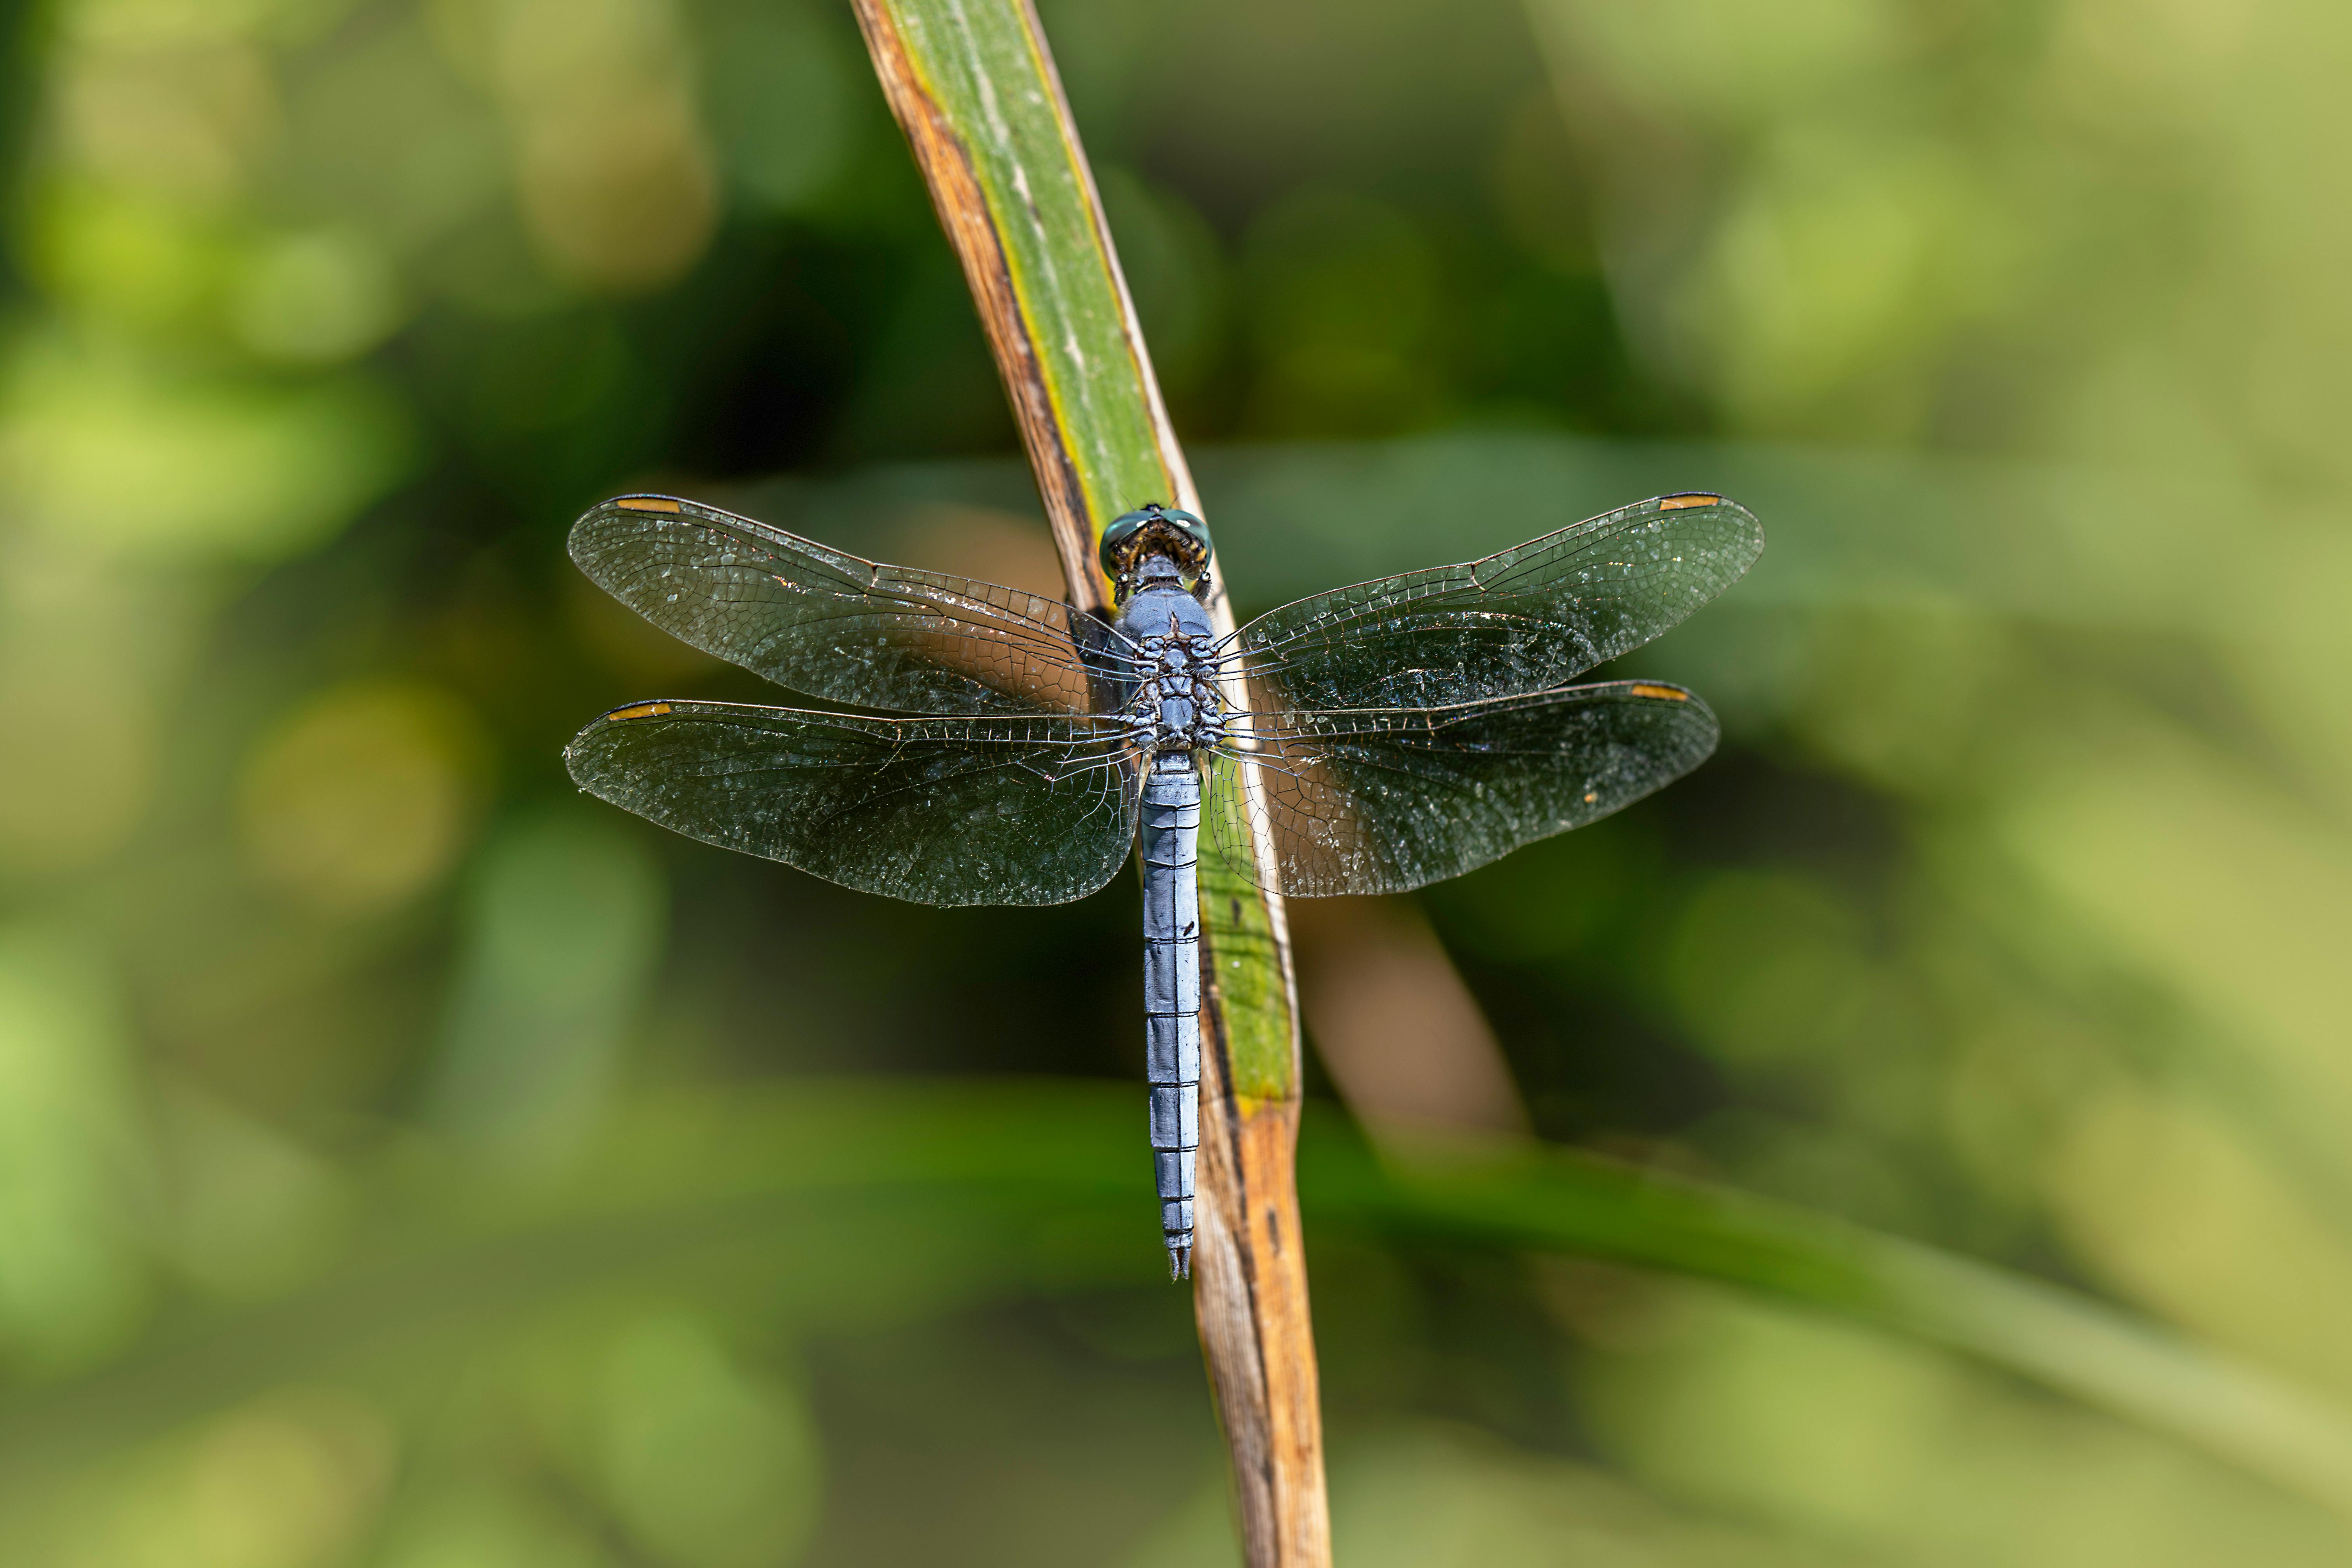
x: 837, y: 627
x: 1380, y: 800
x: 1528, y: 619
x: 1035, y: 810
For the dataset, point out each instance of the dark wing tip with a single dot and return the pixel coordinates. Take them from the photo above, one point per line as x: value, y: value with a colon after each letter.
x: 1733, y: 537
x: 647, y: 505
x: 687, y: 708
x: 577, y: 751
x: 1721, y: 506
x: 1694, y: 714
x: 1651, y: 691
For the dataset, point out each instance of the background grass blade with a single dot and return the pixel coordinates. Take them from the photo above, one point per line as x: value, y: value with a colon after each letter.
x: 844, y: 1195
x: 1555, y: 1200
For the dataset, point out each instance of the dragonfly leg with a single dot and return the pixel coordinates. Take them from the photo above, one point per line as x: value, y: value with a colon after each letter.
x: 1171, y: 993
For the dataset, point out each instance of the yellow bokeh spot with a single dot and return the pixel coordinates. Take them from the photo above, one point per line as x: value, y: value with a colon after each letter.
x: 316, y: 297
x: 96, y: 775
x: 110, y: 456
x: 284, y: 1484
x: 613, y: 172
x: 363, y: 799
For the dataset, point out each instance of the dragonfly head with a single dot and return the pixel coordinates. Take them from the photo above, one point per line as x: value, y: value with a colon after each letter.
x: 1156, y: 542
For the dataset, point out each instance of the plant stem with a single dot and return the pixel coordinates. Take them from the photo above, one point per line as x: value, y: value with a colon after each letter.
x: 973, y: 85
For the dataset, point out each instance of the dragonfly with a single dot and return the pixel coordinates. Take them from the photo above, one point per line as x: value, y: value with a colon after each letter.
x: 1372, y: 739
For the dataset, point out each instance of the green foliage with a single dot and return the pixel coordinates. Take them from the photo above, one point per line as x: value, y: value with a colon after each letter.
x: 995, y: 97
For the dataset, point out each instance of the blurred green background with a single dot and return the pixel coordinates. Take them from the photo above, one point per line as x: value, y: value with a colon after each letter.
x: 405, y: 1161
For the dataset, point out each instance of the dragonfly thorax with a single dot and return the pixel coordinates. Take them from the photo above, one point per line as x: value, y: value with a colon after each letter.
x: 1176, y: 695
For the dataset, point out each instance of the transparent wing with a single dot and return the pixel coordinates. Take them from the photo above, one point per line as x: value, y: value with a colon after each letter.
x: 1035, y: 810
x: 837, y: 627
x: 1380, y: 800
x: 1530, y: 619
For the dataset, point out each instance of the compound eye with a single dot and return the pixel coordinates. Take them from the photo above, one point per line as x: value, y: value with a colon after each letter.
x: 1192, y: 528
x: 1115, y: 541
x: 1121, y: 540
